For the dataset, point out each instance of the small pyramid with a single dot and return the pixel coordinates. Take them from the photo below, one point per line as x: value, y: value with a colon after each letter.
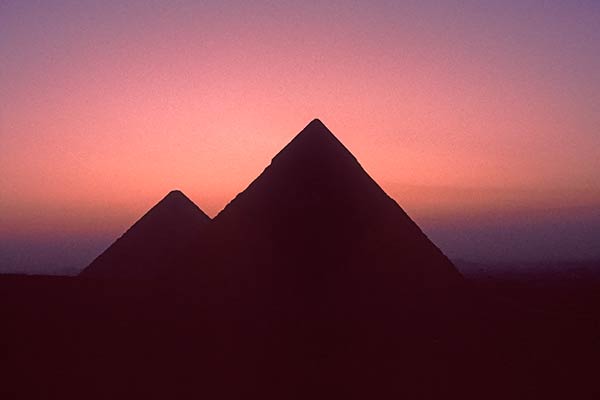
x: 156, y: 242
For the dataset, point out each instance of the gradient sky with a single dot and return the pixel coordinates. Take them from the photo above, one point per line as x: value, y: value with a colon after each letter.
x: 482, y: 119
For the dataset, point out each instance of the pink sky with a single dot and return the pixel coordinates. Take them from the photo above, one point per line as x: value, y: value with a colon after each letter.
x: 457, y: 111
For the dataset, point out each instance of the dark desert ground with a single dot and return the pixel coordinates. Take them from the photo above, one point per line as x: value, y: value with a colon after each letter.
x: 312, y: 283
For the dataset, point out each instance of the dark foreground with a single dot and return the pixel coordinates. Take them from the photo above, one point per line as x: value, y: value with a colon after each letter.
x: 73, y: 338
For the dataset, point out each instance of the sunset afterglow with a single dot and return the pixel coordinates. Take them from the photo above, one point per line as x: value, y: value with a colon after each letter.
x: 474, y: 112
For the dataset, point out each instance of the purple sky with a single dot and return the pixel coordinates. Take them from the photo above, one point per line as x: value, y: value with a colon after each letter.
x: 482, y: 119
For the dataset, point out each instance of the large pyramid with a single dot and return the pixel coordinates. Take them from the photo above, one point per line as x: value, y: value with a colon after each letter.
x: 315, y: 224
x: 155, y: 243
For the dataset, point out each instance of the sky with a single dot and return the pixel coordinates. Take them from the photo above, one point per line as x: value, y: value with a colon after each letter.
x: 482, y: 119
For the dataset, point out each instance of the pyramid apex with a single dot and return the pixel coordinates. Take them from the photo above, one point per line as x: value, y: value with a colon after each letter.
x: 176, y: 195
x: 316, y: 128
x: 316, y: 125
x: 176, y: 198
x: 175, y: 192
x: 314, y: 141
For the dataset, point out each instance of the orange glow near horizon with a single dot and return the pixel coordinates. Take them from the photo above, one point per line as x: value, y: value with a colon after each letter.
x: 102, y: 113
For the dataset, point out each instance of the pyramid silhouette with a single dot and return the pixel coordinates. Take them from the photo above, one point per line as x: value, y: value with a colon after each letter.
x: 309, y: 275
x: 154, y: 243
x: 314, y: 219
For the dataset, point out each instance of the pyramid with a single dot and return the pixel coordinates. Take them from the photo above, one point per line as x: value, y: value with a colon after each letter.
x: 156, y: 242
x: 315, y: 224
